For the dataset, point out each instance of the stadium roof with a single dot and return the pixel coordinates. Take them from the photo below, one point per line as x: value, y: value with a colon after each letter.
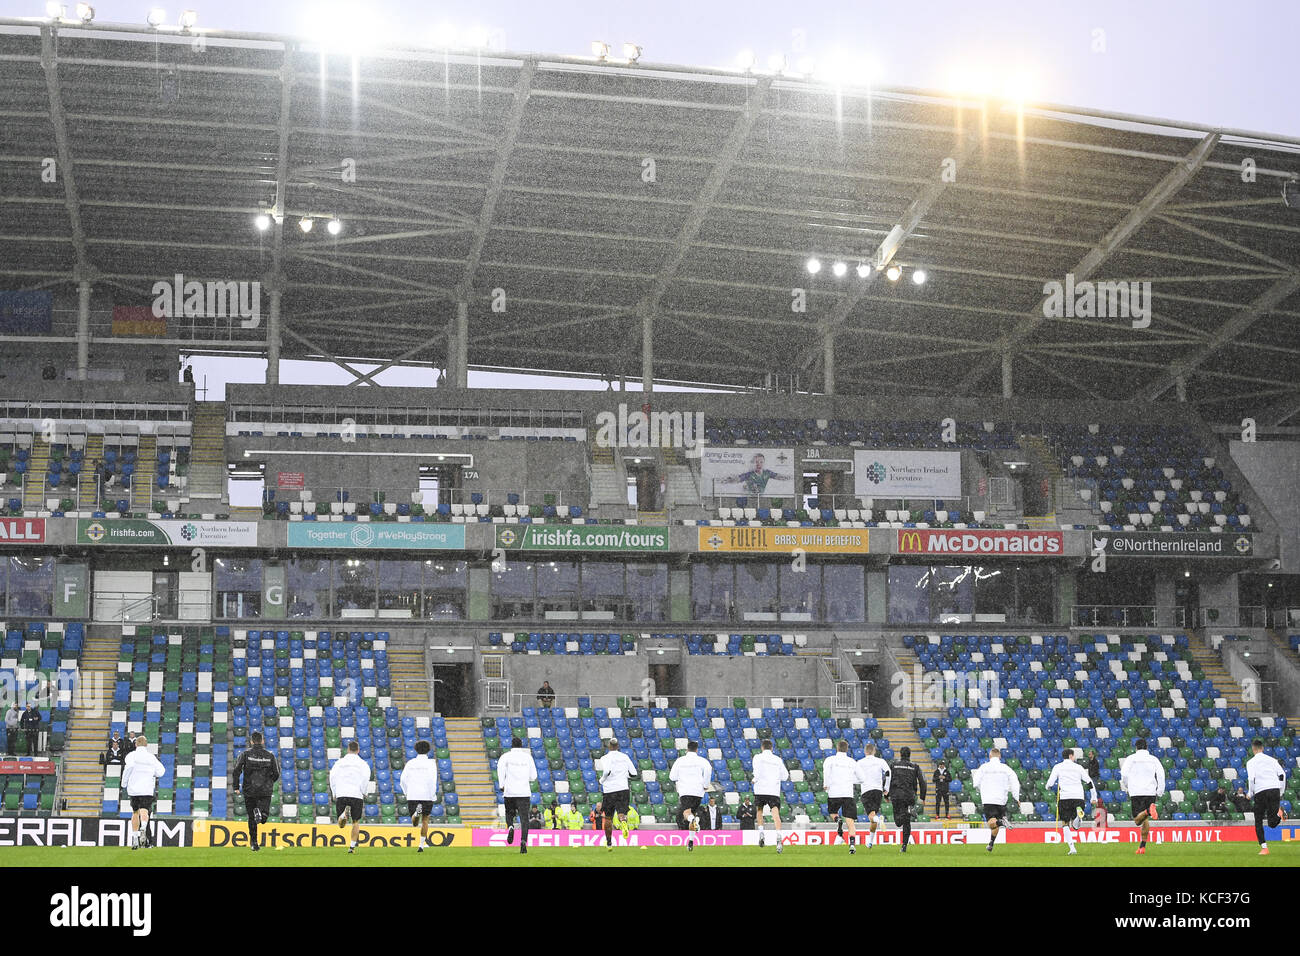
x: 595, y: 195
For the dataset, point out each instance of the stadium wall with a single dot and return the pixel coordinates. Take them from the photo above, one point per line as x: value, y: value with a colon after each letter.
x: 603, y: 679
x: 1272, y: 468
x: 754, y: 678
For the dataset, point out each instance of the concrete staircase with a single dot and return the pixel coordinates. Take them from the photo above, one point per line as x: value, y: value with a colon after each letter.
x: 608, y: 483
x: 469, y: 764
x: 207, y: 484
x: 410, y: 683
x: 898, y: 731
x: 83, y: 777
x: 146, y: 466
x: 88, y: 481
x: 1224, y: 685
x: 681, y: 489
x: 38, y: 466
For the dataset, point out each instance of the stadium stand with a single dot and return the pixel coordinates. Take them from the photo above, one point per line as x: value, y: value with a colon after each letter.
x: 565, y: 743
x: 1095, y: 692
x: 310, y: 692
x: 173, y: 685
x: 36, y: 652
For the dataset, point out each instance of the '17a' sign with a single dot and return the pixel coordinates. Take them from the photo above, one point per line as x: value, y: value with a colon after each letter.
x: 22, y: 530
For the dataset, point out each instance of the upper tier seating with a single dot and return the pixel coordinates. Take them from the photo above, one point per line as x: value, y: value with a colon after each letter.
x: 550, y: 642
x: 1154, y: 477
x: 873, y: 434
x: 1096, y: 692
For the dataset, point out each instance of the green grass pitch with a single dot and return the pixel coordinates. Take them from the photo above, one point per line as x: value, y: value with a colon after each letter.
x: 1186, y: 855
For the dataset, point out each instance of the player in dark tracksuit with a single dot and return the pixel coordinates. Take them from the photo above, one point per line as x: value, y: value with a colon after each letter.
x: 259, y: 772
x: 906, y: 786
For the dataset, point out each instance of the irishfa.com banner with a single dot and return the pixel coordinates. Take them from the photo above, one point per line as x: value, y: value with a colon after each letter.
x: 166, y: 533
x: 784, y: 540
x: 601, y: 537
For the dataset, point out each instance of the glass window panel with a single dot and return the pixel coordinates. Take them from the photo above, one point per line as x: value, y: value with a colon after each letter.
x: 801, y: 591
x: 308, y: 582
x: 844, y: 592
x: 238, y: 583
x: 444, y: 589
x: 647, y: 590
x: 909, y: 594
x: 756, y: 588
x: 399, y: 586
x: 31, y: 586
x: 604, y: 589
x: 557, y: 586
x: 354, y: 584
x: 514, y: 591
x: 712, y: 587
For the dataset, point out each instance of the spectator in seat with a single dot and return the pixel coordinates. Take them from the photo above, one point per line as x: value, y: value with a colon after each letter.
x: 535, y: 817
x: 13, y: 720
x: 545, y: 695
x: 1094, y: 767
x: 942, y: 779
x: 1218, y: 803
x: 711, y: 815
x: 115, y: 752
x: 31, y: 725
x: 745, y: 813
x: 597, y: 817
x: 554, y: 817
x: 1240, y: 801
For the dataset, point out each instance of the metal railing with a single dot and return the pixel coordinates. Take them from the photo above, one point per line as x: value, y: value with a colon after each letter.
x: 1250, y: 616
x: 1127, y: 615
x: 362, y: 497
x: 497, y: 692
x: 846, y: 501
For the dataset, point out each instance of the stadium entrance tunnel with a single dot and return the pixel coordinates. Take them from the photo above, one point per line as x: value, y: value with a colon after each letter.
x: 454, y: 690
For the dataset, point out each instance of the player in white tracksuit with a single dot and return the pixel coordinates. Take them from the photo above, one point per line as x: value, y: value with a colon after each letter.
x: 769, y: 773
x: 1069, y: 779
x: 614, y: 769
x: 839, y: 777
x: 516, y: 772
x: 419, y: 783
x: 349, y: 781
x: 1142, y: 777
x: 1265, y: 781
x: 995, y: 782
x: 691, y: 774
x: 874, y: 773
x: 141, y: 772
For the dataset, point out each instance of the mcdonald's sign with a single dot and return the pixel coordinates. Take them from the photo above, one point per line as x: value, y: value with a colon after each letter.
x: 980, y: 542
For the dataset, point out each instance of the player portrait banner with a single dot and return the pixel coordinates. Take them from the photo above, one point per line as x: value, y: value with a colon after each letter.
x: 747, y: 472
x: 167, y: 533
x: 586, y: 538
x: 290, y: 480
x: 596, y: 838
x: 907, y: 474
x: 1179, y: 544
x: 290, y: 836
x: 26, y: 313
x: 784, y: 540
x: 980, y: 543
x: 22, y: 530
x: 364, y: 534
x: 88, y: 831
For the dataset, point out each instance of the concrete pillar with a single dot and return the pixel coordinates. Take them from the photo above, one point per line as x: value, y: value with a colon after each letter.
x: 273, y: 340
x: 462, y: 345
x: 828, y: 361
x: 1180, y: 388
x: 1166, y: 599
x: 647, y: 351
x: 83, y: 328
x: 1006, y: 375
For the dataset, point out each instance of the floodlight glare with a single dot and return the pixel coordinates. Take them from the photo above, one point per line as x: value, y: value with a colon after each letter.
x: 776, y: 62
x: 631, y: 52
x: 305, y: 224
x: 262, y: 221
x: 334, y: 227
x: 839, y: 269
x: 55, y: 11
x: 814, y: 265
x: 864, y: 270
x: 919, y: 277
x: 746, y: 60
x: 188, y: 19
x: 600, y: 50
x: 892, y: 273
x: 157, y: 16
x: 85, y: 12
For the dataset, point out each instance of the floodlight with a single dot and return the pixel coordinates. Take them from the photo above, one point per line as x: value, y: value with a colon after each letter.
x: 262, y: 222
x: 814, y: 265
x: 839, y: 269
x: 919, y: 277
x: 157, y: 16
x: 892, y: 273
x: 631, y: 52
x: 188, y: 19
x: 305, y: 224
x: 600, y: 50
x: 334, y: 227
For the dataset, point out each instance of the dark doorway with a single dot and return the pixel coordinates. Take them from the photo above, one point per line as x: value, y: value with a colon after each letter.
x: 439, y: 483
x: 643, y: 484
x: 667, y: 682
x: 165, y: 586
x: 453, y: 690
